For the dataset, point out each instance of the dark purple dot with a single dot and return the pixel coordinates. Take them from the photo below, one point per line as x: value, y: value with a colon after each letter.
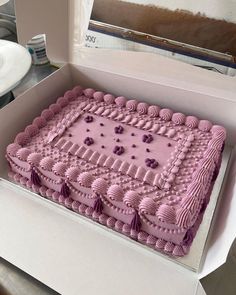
x: 117, y: 140
x: 132, y: 157
x: 168, y: 144
x: 101, y: 124
x: 132, y: 134
x: 70, y: 135
x: 101, y: 134
x: 87, y: 130
x: 103, y: 146
x: 147, y: 150
x: 133, y: 145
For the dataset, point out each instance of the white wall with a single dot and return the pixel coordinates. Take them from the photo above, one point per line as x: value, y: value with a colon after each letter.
x: 219, y: 9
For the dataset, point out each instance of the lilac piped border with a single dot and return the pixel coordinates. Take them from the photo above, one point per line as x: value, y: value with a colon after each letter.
x: 157, y: 244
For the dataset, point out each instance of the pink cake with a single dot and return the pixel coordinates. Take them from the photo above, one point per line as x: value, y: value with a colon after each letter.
x: 141, y: 170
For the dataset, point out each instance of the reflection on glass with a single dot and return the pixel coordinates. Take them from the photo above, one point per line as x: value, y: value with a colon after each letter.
x: 177, y: 25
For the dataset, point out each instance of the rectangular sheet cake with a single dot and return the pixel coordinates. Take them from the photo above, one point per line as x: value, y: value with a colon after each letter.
x: 139, y: 169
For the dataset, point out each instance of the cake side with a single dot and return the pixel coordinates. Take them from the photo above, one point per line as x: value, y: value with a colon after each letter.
x: 163, y: 198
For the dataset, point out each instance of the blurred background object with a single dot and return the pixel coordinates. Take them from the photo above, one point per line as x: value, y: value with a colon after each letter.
x: 37, y: 48
x: 7, y: 21
x: 30, y: 74
x: 202, y: 33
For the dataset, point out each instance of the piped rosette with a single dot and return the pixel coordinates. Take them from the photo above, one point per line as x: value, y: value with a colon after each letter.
x: 120, y: 203
x: 17, y: 158
x: 80, y: 184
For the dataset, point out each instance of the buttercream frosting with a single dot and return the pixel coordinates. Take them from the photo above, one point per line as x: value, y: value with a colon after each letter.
x: 131, y: 105
x: 191, y: 122
x: 148, y: 206
x: 166, y: 214
x: 153, y: 111
x: 59, y: 168
x: 89, y: 92
x: 166, y: 114
x: 78, y: 90
x: 122, y: 159
x: 31, y: 130
x: 23, y: 153
x: 22, y: 138
x: 115, y: 192
x: 132, y: 199
x: 34, y: 159
x: 142, y: 108
x: 72, y: 173
x: 46, y: 163
x: 120, y: 101
x: 85, y: 179
x: 98, y: 96
x: 12, y: 149
x: 99, y: 186
x: 70, y: 95
x: 178, y: 118
x: 109, y: 98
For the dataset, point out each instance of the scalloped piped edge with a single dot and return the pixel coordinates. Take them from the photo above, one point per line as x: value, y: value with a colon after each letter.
x: 160, y: 245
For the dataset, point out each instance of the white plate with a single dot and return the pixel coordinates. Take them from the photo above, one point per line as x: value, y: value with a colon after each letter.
x: 3, y: 2
x: 15, y: 62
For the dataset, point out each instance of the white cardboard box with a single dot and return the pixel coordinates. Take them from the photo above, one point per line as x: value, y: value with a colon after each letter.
x: 69, y: 253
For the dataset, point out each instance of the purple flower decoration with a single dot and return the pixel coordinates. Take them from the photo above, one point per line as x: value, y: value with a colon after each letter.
x: 147, y: 138
x: 88, y: 141
x: 118, y: 129
x: 152, y: 163
x: 88, y: 119
x: 118, y: 150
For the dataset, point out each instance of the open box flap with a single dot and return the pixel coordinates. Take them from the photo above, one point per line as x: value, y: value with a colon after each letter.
x: 224, y: 230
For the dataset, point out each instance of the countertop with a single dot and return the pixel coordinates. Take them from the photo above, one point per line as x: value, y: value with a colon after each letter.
x: 34, y: 76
